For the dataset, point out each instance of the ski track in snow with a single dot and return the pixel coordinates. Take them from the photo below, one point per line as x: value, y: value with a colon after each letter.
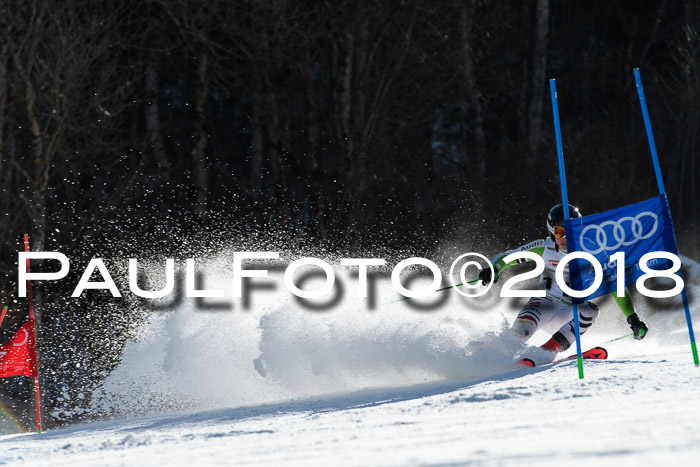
x: 638, y: 410
x: 379, y: 388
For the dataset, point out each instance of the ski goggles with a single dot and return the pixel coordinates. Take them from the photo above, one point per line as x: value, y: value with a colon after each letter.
x: 558, y: 231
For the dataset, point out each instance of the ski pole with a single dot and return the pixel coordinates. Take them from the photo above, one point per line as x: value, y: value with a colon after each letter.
x: 618, y: 338
x: 438, y: 290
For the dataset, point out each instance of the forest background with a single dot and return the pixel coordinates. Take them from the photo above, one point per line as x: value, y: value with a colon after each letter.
x: 134, y: 128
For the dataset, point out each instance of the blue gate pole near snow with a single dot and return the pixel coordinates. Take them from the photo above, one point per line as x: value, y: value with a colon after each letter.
x: 565, y: 202
x: 662, y: 190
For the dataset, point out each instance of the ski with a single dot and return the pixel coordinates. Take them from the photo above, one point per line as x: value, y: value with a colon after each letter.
x: 596, y: 353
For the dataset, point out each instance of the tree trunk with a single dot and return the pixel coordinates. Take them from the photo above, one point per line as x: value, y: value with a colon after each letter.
x: 318, y: 210
x: 344, y: 125
x: 39, y: 178
x: 5, y: 145
x: 4, y: 92
x: 473, y: 118
x: 274, y: 138
x: 357, y: 177
x: 152, y: 115
x: 257, y: 157
x: 534, y: 114
x: 200, y: 163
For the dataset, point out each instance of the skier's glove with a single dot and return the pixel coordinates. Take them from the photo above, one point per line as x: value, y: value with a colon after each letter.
x: 638, y: 327
x: 485, y: 276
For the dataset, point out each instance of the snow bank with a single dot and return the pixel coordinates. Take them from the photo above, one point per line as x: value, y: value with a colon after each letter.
x: 277, y: 349
x: 636, y: 411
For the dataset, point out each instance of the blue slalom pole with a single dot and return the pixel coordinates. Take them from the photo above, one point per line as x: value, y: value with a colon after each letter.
x: 650, y: 134
x: 662, y: 190
x: 565, y: 202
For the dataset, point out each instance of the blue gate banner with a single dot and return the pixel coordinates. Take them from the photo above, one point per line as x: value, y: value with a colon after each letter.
x: 635, y: 229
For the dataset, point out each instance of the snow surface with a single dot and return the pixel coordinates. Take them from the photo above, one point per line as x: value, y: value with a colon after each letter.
x: 386, y: 386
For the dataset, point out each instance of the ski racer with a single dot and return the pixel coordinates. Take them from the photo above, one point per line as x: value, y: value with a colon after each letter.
x: 553, y: 313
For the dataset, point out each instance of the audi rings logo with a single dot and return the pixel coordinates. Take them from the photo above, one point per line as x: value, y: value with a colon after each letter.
x: 611, y: 235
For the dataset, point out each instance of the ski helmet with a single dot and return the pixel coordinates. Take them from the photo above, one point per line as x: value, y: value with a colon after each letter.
x: 556, y: 219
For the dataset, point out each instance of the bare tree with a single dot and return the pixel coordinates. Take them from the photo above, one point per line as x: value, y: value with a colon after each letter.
x: 470, y: 101
x: 534, y: 113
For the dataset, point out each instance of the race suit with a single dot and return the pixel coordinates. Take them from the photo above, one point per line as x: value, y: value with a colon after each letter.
x: 553, y: 313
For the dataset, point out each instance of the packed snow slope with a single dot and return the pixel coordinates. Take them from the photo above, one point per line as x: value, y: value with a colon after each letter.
x: 279, y: 383
x: 633, y: 410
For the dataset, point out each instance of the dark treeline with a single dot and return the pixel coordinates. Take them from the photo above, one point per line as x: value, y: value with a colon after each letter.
x: 125, y: 124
